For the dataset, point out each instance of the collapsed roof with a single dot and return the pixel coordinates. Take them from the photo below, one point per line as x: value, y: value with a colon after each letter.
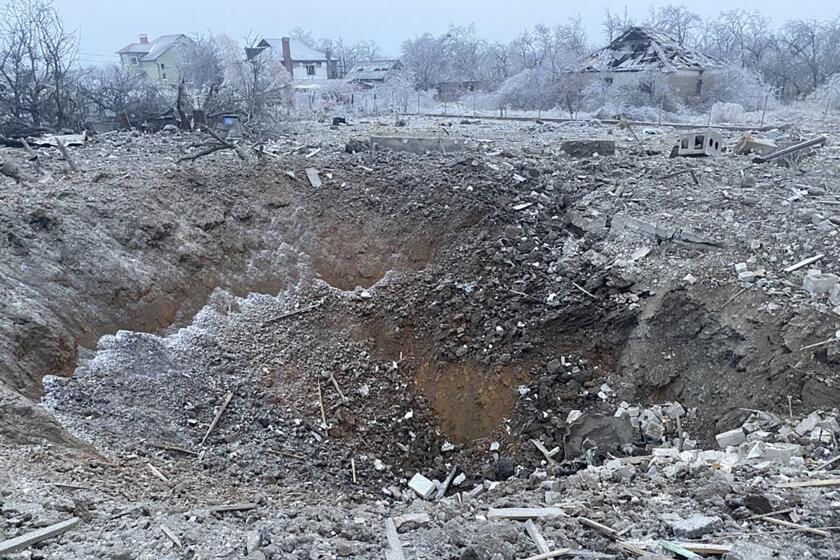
x: 374, y: 70
x: 641, y: 48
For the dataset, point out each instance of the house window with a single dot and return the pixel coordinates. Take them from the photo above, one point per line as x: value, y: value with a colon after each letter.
x: 310, y: 69
x: 699, y: 85
x: 134, y: 61
x: 163, y: 72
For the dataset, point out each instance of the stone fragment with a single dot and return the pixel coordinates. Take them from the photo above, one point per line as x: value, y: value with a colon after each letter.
x: 731, y: 438
x: 596, y: 431
x: 693, y: 526
x: 807, y: 424
x: 412, y: 520
x: 743, y: 550
x: 252, y: 541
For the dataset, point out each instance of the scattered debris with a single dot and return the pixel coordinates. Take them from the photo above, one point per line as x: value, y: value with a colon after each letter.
x: 819, y: 141
x: 26, y: 540
x: 588, y: 148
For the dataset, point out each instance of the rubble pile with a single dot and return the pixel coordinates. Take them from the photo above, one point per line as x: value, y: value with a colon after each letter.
x: 543, y: 337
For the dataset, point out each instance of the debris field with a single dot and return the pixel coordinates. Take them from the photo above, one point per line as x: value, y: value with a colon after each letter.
x: 458, y: 338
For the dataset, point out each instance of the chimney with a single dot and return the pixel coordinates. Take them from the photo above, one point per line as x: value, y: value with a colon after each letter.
x: 287, y: 56
x: 144, y: 39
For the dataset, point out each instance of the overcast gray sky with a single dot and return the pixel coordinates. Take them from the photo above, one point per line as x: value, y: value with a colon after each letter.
x: 108, y: 25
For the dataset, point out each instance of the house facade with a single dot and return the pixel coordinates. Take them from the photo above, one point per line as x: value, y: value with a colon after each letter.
x: 300, y: 60
x: 160, y: 60
x: 687, y: 72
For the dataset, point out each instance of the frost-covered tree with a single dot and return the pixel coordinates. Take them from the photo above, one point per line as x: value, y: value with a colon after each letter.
x: 256, y: 84
x: 678, y: 21
x: 37, y: 56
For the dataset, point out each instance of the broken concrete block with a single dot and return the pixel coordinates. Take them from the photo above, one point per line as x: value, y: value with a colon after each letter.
x: 573, y: 415
x: 700, y: 143
x: 731, y: 438
x: 596, y: 431
x: 834, y: 296
x: 412, y: 520
x: 807, y: 424
x: 693, y: 526
x: 818, y: 435
x: 782, y: 452
x: 588, y: 148
x: 816, y: 283
x: 422, y: 486
x: 830, y: 424
x: 575, y: 219
x: 653, y: 429
x: 675, y: 410
x: 666, y: 452
x: 748, y: 144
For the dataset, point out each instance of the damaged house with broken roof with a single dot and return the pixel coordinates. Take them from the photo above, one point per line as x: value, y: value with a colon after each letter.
x: 304, y: 63
x: 643, y: 56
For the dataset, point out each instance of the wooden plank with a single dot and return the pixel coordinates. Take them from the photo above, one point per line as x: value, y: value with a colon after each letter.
x: 534, y: 532
x: 394, y: 544
x: 522, y: 514
x: 804, y: 262
x: 631, y: 548
x: 706, y: 548
x: 218, y: 416
x: 552, y: 554
x: 25, y: 541
x: 241, y: 506
x: 446, y: 483
x: 603, y: 529
x: 769, y: 514
x: 811, y: 483
x: 157, y: 473
x: 796, y: 526
x: 71, y: 486
x: 679, y: 550
x: 172, y: 536
x: 549, y: 455
x: 171, y: 447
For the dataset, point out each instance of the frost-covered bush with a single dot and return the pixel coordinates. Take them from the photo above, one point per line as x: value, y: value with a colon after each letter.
x: 644, y: 93
x: 827, y: 96
x: 528, y: 90
x: 739, y: 85
x: 727, y: 112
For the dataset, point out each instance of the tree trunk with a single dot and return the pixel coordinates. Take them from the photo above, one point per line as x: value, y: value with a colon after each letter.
x: 182, y: 116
